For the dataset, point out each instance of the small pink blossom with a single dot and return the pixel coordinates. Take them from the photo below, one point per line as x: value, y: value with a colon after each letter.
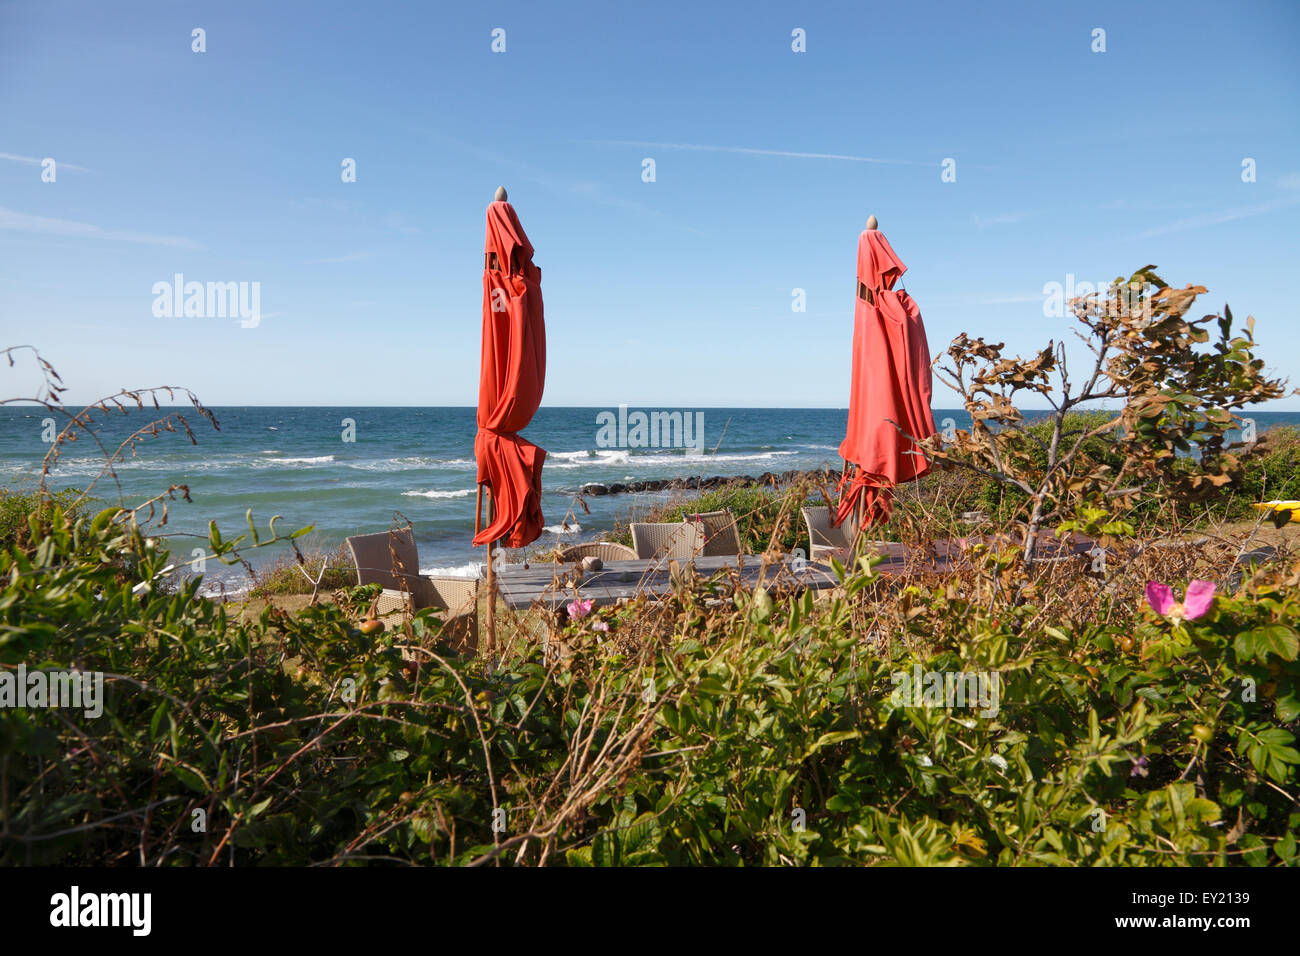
x: 579, y: 609
x: 1199, y: 597
x: 599, y: 626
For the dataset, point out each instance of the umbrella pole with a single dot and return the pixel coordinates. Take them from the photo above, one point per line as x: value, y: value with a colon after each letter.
x: 491, y: 607
x: 862, y: 513
x: 491, y: 621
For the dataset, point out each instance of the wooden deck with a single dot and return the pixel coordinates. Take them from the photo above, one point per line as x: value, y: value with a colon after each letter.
x: 552, y: 585
x: 555, y: 584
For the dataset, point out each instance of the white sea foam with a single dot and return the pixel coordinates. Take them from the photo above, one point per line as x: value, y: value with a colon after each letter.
x: 459, y: 493
x: 472, y: 570
x: 561, y: 529
x: 603, y: 458
x: 411, y: 463
x: 214, y: 590
x: 69, y: 467
x: 586, y: 459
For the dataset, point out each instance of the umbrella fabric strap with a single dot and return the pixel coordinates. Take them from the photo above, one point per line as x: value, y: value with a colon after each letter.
x: 869, y: 295
x: 873, y: 490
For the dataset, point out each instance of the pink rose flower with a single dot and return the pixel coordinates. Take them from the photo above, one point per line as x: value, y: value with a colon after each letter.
x: 1199, y: 597
x: 579, y: 609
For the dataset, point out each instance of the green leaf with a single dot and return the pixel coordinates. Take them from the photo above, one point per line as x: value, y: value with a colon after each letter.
x: 103, y: 519
x: 1269, y: 751
x: 191, y: 779
x: 834, y: 737
x: 710, y: 687
x: 579, y: 857
x: 1256, y: 852
x: 156, y: 721
x: 1288, y: 707
x: 423, y: 828
x: 1286, y: 847
x: 1202, y: 810
x: 1259, y: 642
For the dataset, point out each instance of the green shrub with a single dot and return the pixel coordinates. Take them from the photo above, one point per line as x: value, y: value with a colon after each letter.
x: 700, y: 730
x: 716, y: 726
x: 285, y: 575
x: 17, y: 507
x: 1271, y: 472
x: 1179, y: 384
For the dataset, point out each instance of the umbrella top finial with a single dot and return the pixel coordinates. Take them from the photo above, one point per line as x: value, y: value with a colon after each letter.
x: 501, y: 194
x: 871, y: 223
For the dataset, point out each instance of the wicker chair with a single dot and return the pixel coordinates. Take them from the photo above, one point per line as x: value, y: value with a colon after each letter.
x: 675, y: 539
x: 721, y: 536
x: 823, y: 539
x: 390, y: 559
x: 605, y: 550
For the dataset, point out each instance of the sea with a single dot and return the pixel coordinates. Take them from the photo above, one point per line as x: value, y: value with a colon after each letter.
x: 347, y: 471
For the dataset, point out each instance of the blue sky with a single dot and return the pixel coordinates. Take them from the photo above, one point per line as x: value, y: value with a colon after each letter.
x: 225, y: 166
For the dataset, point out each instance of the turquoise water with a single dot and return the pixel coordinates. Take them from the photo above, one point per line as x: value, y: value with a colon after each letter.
x: 295, y: 462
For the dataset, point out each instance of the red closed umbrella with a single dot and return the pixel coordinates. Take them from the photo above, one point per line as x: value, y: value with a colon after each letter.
x: 512, y: 375
x: 890, y: 387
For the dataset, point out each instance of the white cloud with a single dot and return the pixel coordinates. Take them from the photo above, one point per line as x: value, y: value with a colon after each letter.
x: 45, y: 225
x: 1218, y: 218
x: 761, y: 152
x: 974, y: 299
x: 33, y: 161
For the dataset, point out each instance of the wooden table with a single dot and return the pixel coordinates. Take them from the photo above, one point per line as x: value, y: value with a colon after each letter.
x: 553, y: 584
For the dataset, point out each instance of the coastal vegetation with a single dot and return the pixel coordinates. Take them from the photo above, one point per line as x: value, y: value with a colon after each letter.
x: 320, y: 569
x: 1140, y: 711
x: 17, y: 507
x: 710, y: 728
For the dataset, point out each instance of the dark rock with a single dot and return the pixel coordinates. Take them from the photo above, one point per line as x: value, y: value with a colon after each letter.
x: 767, y: 479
